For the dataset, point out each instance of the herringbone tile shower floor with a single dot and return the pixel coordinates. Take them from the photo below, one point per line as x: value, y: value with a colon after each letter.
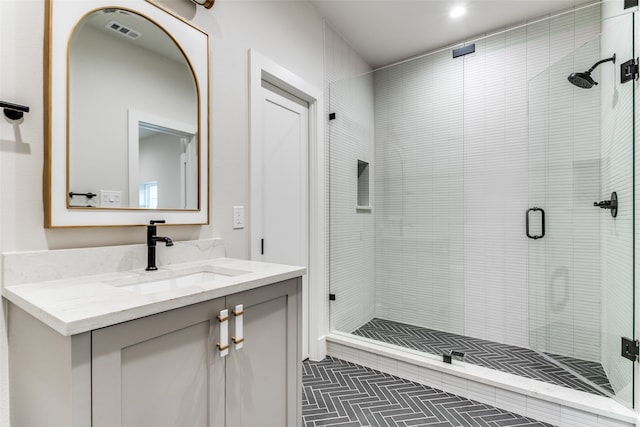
x: 502, y: 357
x: 339, y: 393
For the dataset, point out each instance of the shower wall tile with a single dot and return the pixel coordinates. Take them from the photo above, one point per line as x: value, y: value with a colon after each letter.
x: 494, y: 164
x: 454, y: 384
x: 462, y: 150
x: 511, y: 401
x: 419, y: 197
x: 431, y: 378
x: 481, y: 392
x: 388, y: 364
x: 617, y: 234
x: 543, y: 410
x: 575, y: 418
x: 349, y: 138
x: 563, y: 176
x: 409, y: 371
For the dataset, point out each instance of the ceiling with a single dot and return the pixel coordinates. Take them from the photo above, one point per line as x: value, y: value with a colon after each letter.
x: 386, y: 31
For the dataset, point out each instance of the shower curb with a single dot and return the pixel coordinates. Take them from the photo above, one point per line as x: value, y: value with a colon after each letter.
x: 524, y: 396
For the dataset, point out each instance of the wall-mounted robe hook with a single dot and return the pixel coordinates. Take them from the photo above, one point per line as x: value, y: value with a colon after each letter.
x: 13, y: 111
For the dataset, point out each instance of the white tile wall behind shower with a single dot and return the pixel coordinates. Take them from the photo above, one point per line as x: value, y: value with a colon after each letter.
x: 452, y: 176
x: 495, y: 164
x: 419, y: 193
x: 617, y: 172
x: 351, y: 231
x: 564, y: 177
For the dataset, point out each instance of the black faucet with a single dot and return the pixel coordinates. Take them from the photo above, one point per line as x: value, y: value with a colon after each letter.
x: 152, y: 238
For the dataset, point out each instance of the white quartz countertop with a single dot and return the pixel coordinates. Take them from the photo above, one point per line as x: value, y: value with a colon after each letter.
x: 80, y: 304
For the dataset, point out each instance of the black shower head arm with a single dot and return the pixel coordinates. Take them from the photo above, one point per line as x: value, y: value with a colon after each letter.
x: 613, y: 58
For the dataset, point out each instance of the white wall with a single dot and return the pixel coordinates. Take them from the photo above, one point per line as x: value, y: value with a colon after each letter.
x: 288, y: 32
x: 160, y: 160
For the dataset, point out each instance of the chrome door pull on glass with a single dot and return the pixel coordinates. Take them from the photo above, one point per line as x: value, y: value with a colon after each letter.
x: 609, y: 204
x: 536, y: 236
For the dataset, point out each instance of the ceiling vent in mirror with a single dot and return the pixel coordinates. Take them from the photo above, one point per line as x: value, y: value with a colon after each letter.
x: 121, y: 29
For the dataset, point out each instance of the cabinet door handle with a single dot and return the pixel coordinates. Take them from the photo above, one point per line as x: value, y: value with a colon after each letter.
x: 238, y: 313
x: 223, y: 344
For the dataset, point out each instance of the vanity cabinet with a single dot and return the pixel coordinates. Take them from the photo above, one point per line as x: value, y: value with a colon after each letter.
x: 166, y: 369
x: 160, y: 370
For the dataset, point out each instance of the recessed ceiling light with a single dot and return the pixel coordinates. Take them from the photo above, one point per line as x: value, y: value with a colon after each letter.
x: 457, y: 11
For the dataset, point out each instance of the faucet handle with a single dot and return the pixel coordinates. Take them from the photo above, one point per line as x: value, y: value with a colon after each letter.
x: 157, y: 221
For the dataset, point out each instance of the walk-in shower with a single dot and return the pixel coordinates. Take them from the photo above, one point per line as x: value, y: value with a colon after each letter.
x: 468, y: 159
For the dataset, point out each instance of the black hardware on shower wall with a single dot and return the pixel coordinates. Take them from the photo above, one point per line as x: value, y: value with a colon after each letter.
x: 609, y: 204
x: 630, y: 3
x: 535, y: 236
x: 13, y: 111
x: 629, y: 71
x: 630, y: 349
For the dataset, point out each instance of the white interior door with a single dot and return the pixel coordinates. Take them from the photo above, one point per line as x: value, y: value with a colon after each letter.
x: 279, y: 210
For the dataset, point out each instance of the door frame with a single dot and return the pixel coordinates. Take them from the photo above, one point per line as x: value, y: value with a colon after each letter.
x: 262, y: 68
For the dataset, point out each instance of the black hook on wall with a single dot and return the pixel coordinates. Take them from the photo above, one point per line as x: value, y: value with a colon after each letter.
x: 13, y: 111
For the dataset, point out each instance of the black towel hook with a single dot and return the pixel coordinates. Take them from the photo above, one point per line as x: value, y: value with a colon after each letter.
x: 13, y: 111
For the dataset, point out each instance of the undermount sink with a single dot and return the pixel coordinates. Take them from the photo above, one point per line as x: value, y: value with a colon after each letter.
x: 174, y: 280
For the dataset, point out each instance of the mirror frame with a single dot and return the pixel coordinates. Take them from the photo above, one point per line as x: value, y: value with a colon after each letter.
x: 67, y: 14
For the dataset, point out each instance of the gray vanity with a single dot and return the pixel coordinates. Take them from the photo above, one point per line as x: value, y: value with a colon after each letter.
x: 213, y: 342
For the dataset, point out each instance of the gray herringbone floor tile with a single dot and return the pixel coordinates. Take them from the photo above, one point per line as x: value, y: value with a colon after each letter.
x: 338, y: 393
x: 506, y: 358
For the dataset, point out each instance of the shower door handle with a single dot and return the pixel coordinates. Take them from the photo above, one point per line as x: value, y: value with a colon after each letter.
x: 535, y: 236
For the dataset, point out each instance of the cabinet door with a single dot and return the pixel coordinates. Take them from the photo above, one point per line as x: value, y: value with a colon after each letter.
x: 160, y: 371
x: 264, y: 376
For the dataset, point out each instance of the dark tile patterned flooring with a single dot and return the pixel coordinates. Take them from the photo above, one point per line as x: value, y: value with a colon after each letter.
x: 338, y: 393
x: 592, y: 371
x: 506, y: 358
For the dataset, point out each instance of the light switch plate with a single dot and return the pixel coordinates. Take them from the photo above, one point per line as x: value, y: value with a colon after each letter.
x: 238, y: 217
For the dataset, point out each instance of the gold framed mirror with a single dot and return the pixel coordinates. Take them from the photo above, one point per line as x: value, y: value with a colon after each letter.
x: 127, y: 129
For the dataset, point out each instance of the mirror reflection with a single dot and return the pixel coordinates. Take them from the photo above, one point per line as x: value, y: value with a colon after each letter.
x: 133, y: 116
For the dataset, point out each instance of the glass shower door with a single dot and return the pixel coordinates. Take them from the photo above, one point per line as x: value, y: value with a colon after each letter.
x: 581, y: 152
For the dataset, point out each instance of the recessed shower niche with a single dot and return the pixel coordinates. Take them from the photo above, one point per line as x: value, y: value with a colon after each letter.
x: 363, y: 186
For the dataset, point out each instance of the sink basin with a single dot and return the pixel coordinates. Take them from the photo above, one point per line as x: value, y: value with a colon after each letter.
x: 174, y: 281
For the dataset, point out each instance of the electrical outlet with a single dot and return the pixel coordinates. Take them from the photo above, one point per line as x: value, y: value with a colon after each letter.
x: 238, y: 217
x: 110, y: 199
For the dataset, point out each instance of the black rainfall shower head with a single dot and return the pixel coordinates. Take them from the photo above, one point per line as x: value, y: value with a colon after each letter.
x: 584, y: 80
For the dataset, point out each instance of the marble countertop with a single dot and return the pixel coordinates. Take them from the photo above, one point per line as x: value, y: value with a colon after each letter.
x: 76, y: 305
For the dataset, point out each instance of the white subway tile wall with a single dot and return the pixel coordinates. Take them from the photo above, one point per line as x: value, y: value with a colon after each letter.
x: 348, y: 138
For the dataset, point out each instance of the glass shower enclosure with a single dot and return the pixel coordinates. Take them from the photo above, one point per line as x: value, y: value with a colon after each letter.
x: 471, y: 203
